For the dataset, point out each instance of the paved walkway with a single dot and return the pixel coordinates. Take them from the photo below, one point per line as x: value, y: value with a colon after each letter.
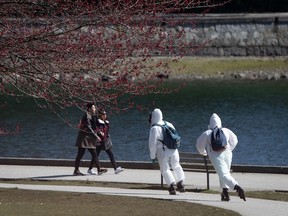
x: 249, y: 181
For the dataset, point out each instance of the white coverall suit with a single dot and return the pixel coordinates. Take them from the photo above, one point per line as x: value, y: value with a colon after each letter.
x: 221, y: 160
x: 164, y: 155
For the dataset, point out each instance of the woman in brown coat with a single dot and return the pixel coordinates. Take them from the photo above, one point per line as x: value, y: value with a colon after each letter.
x: 87, y: 139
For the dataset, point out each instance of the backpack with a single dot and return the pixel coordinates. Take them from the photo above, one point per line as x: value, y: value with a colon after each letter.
x: 219, y: 142
x: 170, y: 136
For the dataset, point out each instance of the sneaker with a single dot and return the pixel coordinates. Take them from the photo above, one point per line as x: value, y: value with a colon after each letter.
x: 91, y: 172
x: 240, y: 192
x: 172, y: 190
x: 180, y: 187
x: 102, y: 170
x: 78, y: 173
x: 118, y: 170
x: 224, y: 195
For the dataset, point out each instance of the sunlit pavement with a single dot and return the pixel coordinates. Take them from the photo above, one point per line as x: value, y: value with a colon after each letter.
x: 249, y: 181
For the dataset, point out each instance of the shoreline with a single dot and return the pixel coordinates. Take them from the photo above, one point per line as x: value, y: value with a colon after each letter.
x: 277, y: 74
x: 131, y: 164
x: 240, y: 68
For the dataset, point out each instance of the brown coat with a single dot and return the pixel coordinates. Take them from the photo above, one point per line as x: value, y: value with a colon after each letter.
x: 87, y: 137
x: 86, y: 140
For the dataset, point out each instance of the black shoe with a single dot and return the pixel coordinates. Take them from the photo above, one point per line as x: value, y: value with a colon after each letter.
x: 224, y: 195
x: 78, y: 173
x: 171, y: 189
x: 180, y: 187
x: 102, y: 170
x: 240, y: 192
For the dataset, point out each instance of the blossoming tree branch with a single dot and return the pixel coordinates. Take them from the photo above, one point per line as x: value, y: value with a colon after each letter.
x: 65, y: 53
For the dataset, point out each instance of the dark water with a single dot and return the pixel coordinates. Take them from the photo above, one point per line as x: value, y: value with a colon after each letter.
x: 255, y: 110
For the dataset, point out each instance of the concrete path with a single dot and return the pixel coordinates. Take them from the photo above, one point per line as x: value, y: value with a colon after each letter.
x: 249, y: 181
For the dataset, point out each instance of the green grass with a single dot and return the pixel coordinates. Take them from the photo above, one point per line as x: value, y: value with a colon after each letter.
x: 28, y: 202
x: 270, y: 195
x: 198, y: 65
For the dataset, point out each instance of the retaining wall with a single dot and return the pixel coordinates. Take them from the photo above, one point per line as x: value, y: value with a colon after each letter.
x: 237, y: 34
x: 130, y: 164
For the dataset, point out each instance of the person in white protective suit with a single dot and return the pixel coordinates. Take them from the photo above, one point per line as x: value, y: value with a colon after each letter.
x: 165, y: 156
x: 222, y: 159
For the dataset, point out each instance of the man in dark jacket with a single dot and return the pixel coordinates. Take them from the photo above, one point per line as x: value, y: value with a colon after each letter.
x: 87, y: 139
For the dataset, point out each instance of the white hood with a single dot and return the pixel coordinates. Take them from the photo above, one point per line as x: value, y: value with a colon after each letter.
x: 157, y: 117
x: 215, y: 121
x: 203, y: 143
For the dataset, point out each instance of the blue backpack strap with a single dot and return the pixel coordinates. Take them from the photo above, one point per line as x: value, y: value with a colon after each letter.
x: 163, y: 129
x: 159, y: 124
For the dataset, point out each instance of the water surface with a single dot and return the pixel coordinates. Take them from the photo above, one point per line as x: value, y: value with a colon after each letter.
x: 255, y: 110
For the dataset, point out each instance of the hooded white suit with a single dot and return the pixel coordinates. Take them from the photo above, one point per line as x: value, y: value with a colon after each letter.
x: 221, y: 160
x: 164, y: 155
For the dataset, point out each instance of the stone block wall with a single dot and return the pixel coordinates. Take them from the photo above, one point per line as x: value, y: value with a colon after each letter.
x: 239, y: 34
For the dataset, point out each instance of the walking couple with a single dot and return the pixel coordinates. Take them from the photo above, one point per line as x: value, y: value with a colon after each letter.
x: 94, y: 136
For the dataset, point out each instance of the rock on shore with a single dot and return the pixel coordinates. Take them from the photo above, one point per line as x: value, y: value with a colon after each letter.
x: 249, y: 75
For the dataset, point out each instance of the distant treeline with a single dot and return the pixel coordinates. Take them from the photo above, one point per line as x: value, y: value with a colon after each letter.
x: 253, y: 6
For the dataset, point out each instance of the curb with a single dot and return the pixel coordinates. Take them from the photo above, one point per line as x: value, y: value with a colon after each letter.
x: 130, y: 164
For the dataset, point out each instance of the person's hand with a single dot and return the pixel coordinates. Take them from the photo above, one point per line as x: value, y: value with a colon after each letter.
x: 98, y: 138
x: 154, y: 160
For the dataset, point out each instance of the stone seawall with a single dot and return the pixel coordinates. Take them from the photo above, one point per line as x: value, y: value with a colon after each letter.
x: 130, y: 164
x: 237, y: 34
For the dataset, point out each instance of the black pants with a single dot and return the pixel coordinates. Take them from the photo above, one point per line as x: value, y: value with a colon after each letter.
x: 94, y: 159
x: 110, y: 154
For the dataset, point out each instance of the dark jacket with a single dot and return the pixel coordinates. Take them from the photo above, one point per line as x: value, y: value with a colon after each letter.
x: 103, y: 127
x: 87, y: 132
